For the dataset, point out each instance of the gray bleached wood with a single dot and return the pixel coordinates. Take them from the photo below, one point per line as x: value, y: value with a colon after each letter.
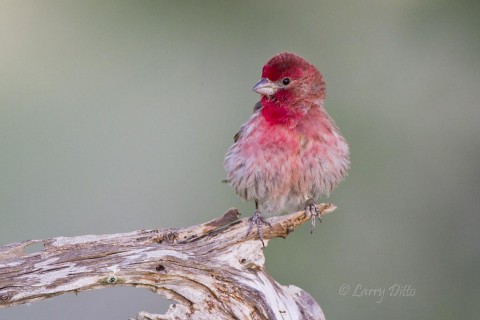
x: 212, y: 270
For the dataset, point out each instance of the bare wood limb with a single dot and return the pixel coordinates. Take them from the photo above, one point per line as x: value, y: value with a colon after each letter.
x: 213, y: 270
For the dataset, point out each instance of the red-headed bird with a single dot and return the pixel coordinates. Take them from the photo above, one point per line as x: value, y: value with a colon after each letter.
x: 290, y: 152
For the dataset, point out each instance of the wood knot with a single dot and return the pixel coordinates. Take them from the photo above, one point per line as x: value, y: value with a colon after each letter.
x: 112, y: 279
x: 5, y: 297
x: 160, y: 268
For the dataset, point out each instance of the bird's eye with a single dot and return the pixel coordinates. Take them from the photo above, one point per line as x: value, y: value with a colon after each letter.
x: 286, y: 81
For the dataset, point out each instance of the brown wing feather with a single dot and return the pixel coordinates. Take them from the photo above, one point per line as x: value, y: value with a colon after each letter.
x: 237, y: 135
x: 256, y: 107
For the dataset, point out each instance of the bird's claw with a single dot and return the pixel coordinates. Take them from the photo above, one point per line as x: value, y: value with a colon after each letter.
x: 312, y: 209
x: 259, y: 221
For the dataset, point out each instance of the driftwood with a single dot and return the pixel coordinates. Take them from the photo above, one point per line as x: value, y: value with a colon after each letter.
x: 213, y: 270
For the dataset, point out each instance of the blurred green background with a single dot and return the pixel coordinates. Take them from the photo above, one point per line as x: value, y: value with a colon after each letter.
x: 116, y: 115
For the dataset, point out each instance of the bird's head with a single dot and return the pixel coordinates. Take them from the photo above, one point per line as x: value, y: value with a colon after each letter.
x: 289, y: 78
x: 289, y: 87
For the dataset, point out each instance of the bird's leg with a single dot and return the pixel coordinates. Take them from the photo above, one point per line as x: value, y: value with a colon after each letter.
x: 259, y: 221
x: 311, y: 207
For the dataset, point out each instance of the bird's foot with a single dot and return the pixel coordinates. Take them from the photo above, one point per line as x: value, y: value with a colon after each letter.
x: 312, y: 209
x: 258, y: 221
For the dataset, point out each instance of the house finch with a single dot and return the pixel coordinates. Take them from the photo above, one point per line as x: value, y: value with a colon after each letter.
x: 290, y: 152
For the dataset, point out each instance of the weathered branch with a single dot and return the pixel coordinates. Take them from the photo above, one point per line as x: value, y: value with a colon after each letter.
x: 213, y: 270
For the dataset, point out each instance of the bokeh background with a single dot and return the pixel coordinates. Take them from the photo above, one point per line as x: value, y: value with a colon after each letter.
x: 116, y: 115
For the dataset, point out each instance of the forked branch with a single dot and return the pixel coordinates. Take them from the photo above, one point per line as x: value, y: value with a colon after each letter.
x: 213, y: 270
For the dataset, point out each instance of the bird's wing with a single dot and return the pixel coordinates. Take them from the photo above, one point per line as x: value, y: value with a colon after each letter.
x: 256, y: 107
x: 237, y: 135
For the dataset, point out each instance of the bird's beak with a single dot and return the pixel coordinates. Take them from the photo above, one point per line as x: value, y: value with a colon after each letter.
x: 265, y: 87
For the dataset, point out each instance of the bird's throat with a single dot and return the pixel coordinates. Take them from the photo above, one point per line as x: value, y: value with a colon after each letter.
x: 276, y: 112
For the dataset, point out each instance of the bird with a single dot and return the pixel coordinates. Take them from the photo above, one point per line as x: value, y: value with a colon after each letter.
x: 290, y: 152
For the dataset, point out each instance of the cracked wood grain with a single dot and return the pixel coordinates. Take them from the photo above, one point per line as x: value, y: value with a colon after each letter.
x: 212, y: 270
